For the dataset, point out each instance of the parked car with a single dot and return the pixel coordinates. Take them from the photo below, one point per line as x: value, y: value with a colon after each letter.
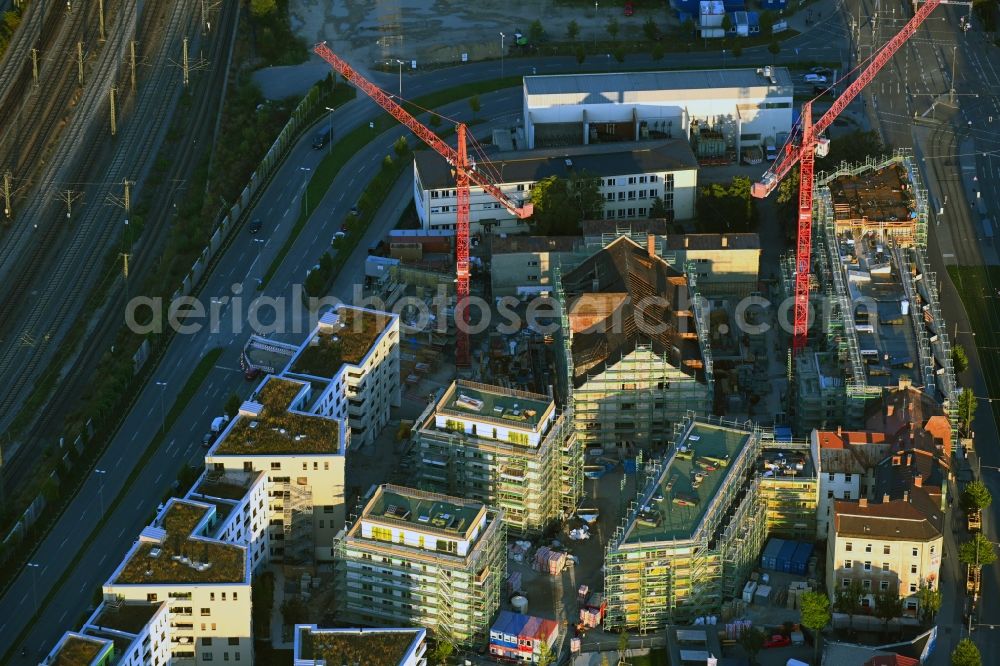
x: 207, y: 440
x: 629, y: 9
x: 777, y: 641
x: 255, y: 226
x: 814, y: 78
x: 322, y: 137
x: 822, y: 71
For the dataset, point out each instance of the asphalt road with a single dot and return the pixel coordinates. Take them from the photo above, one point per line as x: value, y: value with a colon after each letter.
x: 242, y: 265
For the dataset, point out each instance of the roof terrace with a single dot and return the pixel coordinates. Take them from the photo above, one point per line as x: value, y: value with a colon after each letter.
x: 272, y: 426
x: 425, y: 512
x: 342, y: 337
x: 495, y: 404
x: 170, y: 553
x: 128, y: 618
x: 77, y: 650
x: 372, y: 647
x: 680, y: 497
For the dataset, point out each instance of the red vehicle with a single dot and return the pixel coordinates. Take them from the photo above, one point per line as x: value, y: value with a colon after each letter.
x: 629, y: 9
x: 777, y: 641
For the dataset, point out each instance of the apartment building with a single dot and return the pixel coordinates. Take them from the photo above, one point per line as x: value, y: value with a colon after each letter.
x: 351, y: 359
x: 205, y: 582
x: 510, y: 449
x: 315, y: 646
x: 522, y: 265
x: 722, y: 264
x: 119, y: 633
x: 845, y: 464
x: 419, y: 558
x: 632, y: 176
x: 638, y: 358
x: 282, y: 432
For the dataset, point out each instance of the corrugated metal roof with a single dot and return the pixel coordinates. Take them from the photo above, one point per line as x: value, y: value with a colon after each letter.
x: 616, y: 83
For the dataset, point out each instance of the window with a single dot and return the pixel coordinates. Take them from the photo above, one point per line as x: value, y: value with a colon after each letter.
x: 237, y: 656
x: 206, y: 611
x: 829, y: 494
x: 631, y: 180
x: 915, y: 552
x: 866, y: 584
x: 830, y: 477
x: 211, y: 596
x: 631, y: 195
x: 643, y: 194
x: 883, y: 585
x: 206, y: 641
x: 654, y: 177
x: 611, y: 182
x: 868, y: 548
x: 621, y: 213
x: 532, y: 278
x: 434, y: 194
x: 235, y: 596
x: 913, y: 568
x: 868, y: 566
x: 206, y: 656
x: 847, y: 477
x: 885, y: 549
x: 225, y: 656
x: 848, y: 564
x: 849, y: 547
x: 932, y: 549
x: 642, y: 179
x: 276, y: 465
x: 382, y: 533
x: 885, y: 567
x: 913, y: 588
x: 151, y: 598
x: 610, y: 196
x: 845, y: 583
x: 847, y: 494
x: 642, y: 212
x: 446, y: 546
x: 520, y: 187
x: 631, y: 212
x: 621, y: 196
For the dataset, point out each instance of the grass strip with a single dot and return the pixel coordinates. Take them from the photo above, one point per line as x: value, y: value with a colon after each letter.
x: 977, y: 286
x: 187, y: 393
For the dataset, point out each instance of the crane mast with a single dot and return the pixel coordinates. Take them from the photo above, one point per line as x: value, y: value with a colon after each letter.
x: 466, y: 174
x: 802, y: 150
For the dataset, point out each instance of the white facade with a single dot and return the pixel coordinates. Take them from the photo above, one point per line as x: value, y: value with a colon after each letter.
x: 747, y: 105
x: 149, y: 646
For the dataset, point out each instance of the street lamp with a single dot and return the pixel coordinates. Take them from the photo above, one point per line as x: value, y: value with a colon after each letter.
x: 305, y: 190
x: 400, y: 63
x: 34, y: 583
x: 260, y: 246
x: 595, y: 21
x: 100, y: 491
x: 502, y: 36
x: 329, y: 140
x: 163, y: 413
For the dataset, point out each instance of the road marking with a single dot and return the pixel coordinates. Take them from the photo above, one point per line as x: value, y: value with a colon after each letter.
x: 122, y: 533
x: 23, y: 599
x: 102, y: 559
x: 159, y: 476
x: 134, y: 435
x: 83, y: 587
x: 287, y: 210
x: 203, y: 411
x: 63, y: 616
x: 63, y: 544
x: 119, y: 461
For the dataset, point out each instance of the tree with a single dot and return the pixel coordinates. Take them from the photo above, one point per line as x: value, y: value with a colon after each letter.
x: 649, y: 27
x: 848, y: 601
x: 752, y: 639
x: 976, y: 496
x: 474, y: 105
x: 294, y: 611
x: 658, y: 51
x: 536, y: 33
x: 978, y: 552
x: 581, y: 55
x: 815, y: 615
x: 888, y: 606
x: 613, y: 28
x: 619, y: 54
x: 966, y: 654
x: 722, y: 208
x: 966, y: 409
x: 930, y: 603
x: 400, y: 147
x: 387, y: 162
x: 560, y: 204
x: 233, y: 404
x: 622, y: 646
x: 442, y: 651
x: 774, y: 47
x: 727, y: 23
x: 545, y: 656
x: 766, y: 22
x: 262, y: 8
x: 688, y: 26
x: 959, y: 358
x: 658, y: 209
x: 572, y: 30
x: 855, y: 146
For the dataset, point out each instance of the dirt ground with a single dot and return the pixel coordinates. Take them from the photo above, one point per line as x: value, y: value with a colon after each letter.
x: 440, y: 31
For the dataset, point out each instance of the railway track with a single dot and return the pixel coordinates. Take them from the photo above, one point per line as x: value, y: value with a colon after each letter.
x: 76, y: 268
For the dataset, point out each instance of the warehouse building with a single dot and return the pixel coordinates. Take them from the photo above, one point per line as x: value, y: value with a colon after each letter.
x: 632, y: 176
x: 746, y: 106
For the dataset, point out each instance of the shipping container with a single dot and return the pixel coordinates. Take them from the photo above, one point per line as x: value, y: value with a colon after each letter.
x: 769, y: 559
x: 800, y: 561
x: 784, y: 562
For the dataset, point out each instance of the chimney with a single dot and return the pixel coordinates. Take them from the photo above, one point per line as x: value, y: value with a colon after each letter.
x: 651, y: 245
x: 918, y: 481
x: 863, y: 502
x: 687, y: 241
x: 725, y: 240
x: 840, y: 431
x: 885, y: 498
x: 906, y: 495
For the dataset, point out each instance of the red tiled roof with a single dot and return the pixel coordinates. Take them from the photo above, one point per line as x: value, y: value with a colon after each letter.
x: 892, y: 660
x: 832, y: 439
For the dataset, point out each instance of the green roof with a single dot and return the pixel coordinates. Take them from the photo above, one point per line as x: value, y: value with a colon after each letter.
x: 370, y: 647
x: 678, y: 502
x: 78, y: 651
x: 425, y: 511
x: 278, y: 431
x: 495, y: 404
x: 348, y: 341
x: 127, y: 617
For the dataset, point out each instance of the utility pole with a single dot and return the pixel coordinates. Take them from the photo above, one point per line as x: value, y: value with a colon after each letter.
x: 34, y: 66
x: 184, y: 60
x: 8, y: 210
x: 114, y: 123
x: 100, y: 18
x: 79, y: 62
x: 68, y: 197
x: 954, y: 60
x: 131, y: 48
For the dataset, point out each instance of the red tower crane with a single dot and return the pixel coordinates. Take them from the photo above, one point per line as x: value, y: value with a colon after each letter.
x: 802, y: 148
x: 465, y: 172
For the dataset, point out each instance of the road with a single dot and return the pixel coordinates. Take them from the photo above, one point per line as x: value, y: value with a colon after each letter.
x: 242, y: 266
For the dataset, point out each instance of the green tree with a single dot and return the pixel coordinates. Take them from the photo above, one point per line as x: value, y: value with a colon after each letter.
x: 687, y: 27
x: 959, y: 358
x: 442, y: 651
x: 400, y: 147
x: 930, y: 603
x: 613, y: 28
x: 560, y: 204
x: 815, y: 616
x: 721, y: 208
x: 387, y: 162
x: 581, y: 55
x: 976, y: 496
x: 536, y: 33
x: 978, y: 552
x: 855, y: 146
x: 658, y: 51
x: 619, y: 54
x: 233, y: 404
x: 658, y: 209
x: 966, y: 410
x: 474, y: 105
x: 766, y: 21
x: 848, y: 601
x: 650, y: 29
x: 545, y: 656
x: 774, y: 47
x: 727, y: 23
x: 294, y: 611
x: 888, y: 605
x: 752, y: 640
x: 966, y: 654
x: 622, y: 645
x: 262, y: 8
x: 573, y: 30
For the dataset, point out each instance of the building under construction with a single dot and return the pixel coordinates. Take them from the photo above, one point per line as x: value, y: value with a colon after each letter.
x: 637, y: 360
x: 879, y: 315
x: 688, y: 542
x: 510, y: 449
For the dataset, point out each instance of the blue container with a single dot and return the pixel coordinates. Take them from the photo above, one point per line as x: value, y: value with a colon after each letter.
x: 782, y: 433
x: 769, y: 558
x: 773, y: 5
x: 785, y: 556
x: 800, y: 561
x: 630, y: 466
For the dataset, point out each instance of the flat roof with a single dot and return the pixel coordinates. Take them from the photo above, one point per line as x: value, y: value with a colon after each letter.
x: 678, y: 501
x: 879, y: 195
x: 713, y: 242
x: 495, y: 404
x: 615, y: 86
x: 424, y: 511
x: 371, y: 647
x: 268, y: 426
x: 228, y: 486
x: 518, y: 244
x: 161, y: 560
x: 345, y: 336
x: 77, y: 650
x: 129, y: 618
x: 609, y: 159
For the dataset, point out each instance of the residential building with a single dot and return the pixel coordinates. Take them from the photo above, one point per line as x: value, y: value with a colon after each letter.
x: 351, y: 360
x: 631, y: 177
x: 180, y: 560
x: 119, y: 633
x: 845, y: 464
x: 278, y: 432
x: 419, y: 558
x: 74, y: 648
x: 522, y: 265
x: 638, y: 358
x: 748, y: 106
x: 915, y: 419
x: 315, y: 646
x: 722, y: 264
x: 510, y: 449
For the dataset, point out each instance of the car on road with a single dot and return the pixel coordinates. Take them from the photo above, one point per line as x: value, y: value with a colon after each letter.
x: 207, y: 440
x: 343, y: 227
x: 629, y: 9
x: 255, y: 226
x: 337, y: 236
x: 322, y: 137
x: 814, y: 78
x: 354, y: 210
x: 822, y: 71
x: 777, y: 641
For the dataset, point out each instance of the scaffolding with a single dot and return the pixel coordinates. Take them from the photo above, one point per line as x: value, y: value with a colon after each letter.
x: 297, y: 523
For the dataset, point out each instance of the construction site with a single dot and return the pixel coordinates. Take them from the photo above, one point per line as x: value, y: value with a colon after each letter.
x: 880, y: 317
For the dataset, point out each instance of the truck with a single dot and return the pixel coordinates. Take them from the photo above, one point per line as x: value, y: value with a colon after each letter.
x: 218, y: 423
x: 322, y: 137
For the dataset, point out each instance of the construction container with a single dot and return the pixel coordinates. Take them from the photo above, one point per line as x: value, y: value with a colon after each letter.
x: 762, y: 594
x: 520, y: 603
x: 800, y: 560
x: 769, y: 558
x: 748, y: 591
x: 784, y: 561
x: 514, y: 582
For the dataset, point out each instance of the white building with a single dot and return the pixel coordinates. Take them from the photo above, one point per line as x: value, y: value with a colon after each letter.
x: 315, y: 646
x: 747, y: 105
x: 632, y: 176
x: 845, y: 465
